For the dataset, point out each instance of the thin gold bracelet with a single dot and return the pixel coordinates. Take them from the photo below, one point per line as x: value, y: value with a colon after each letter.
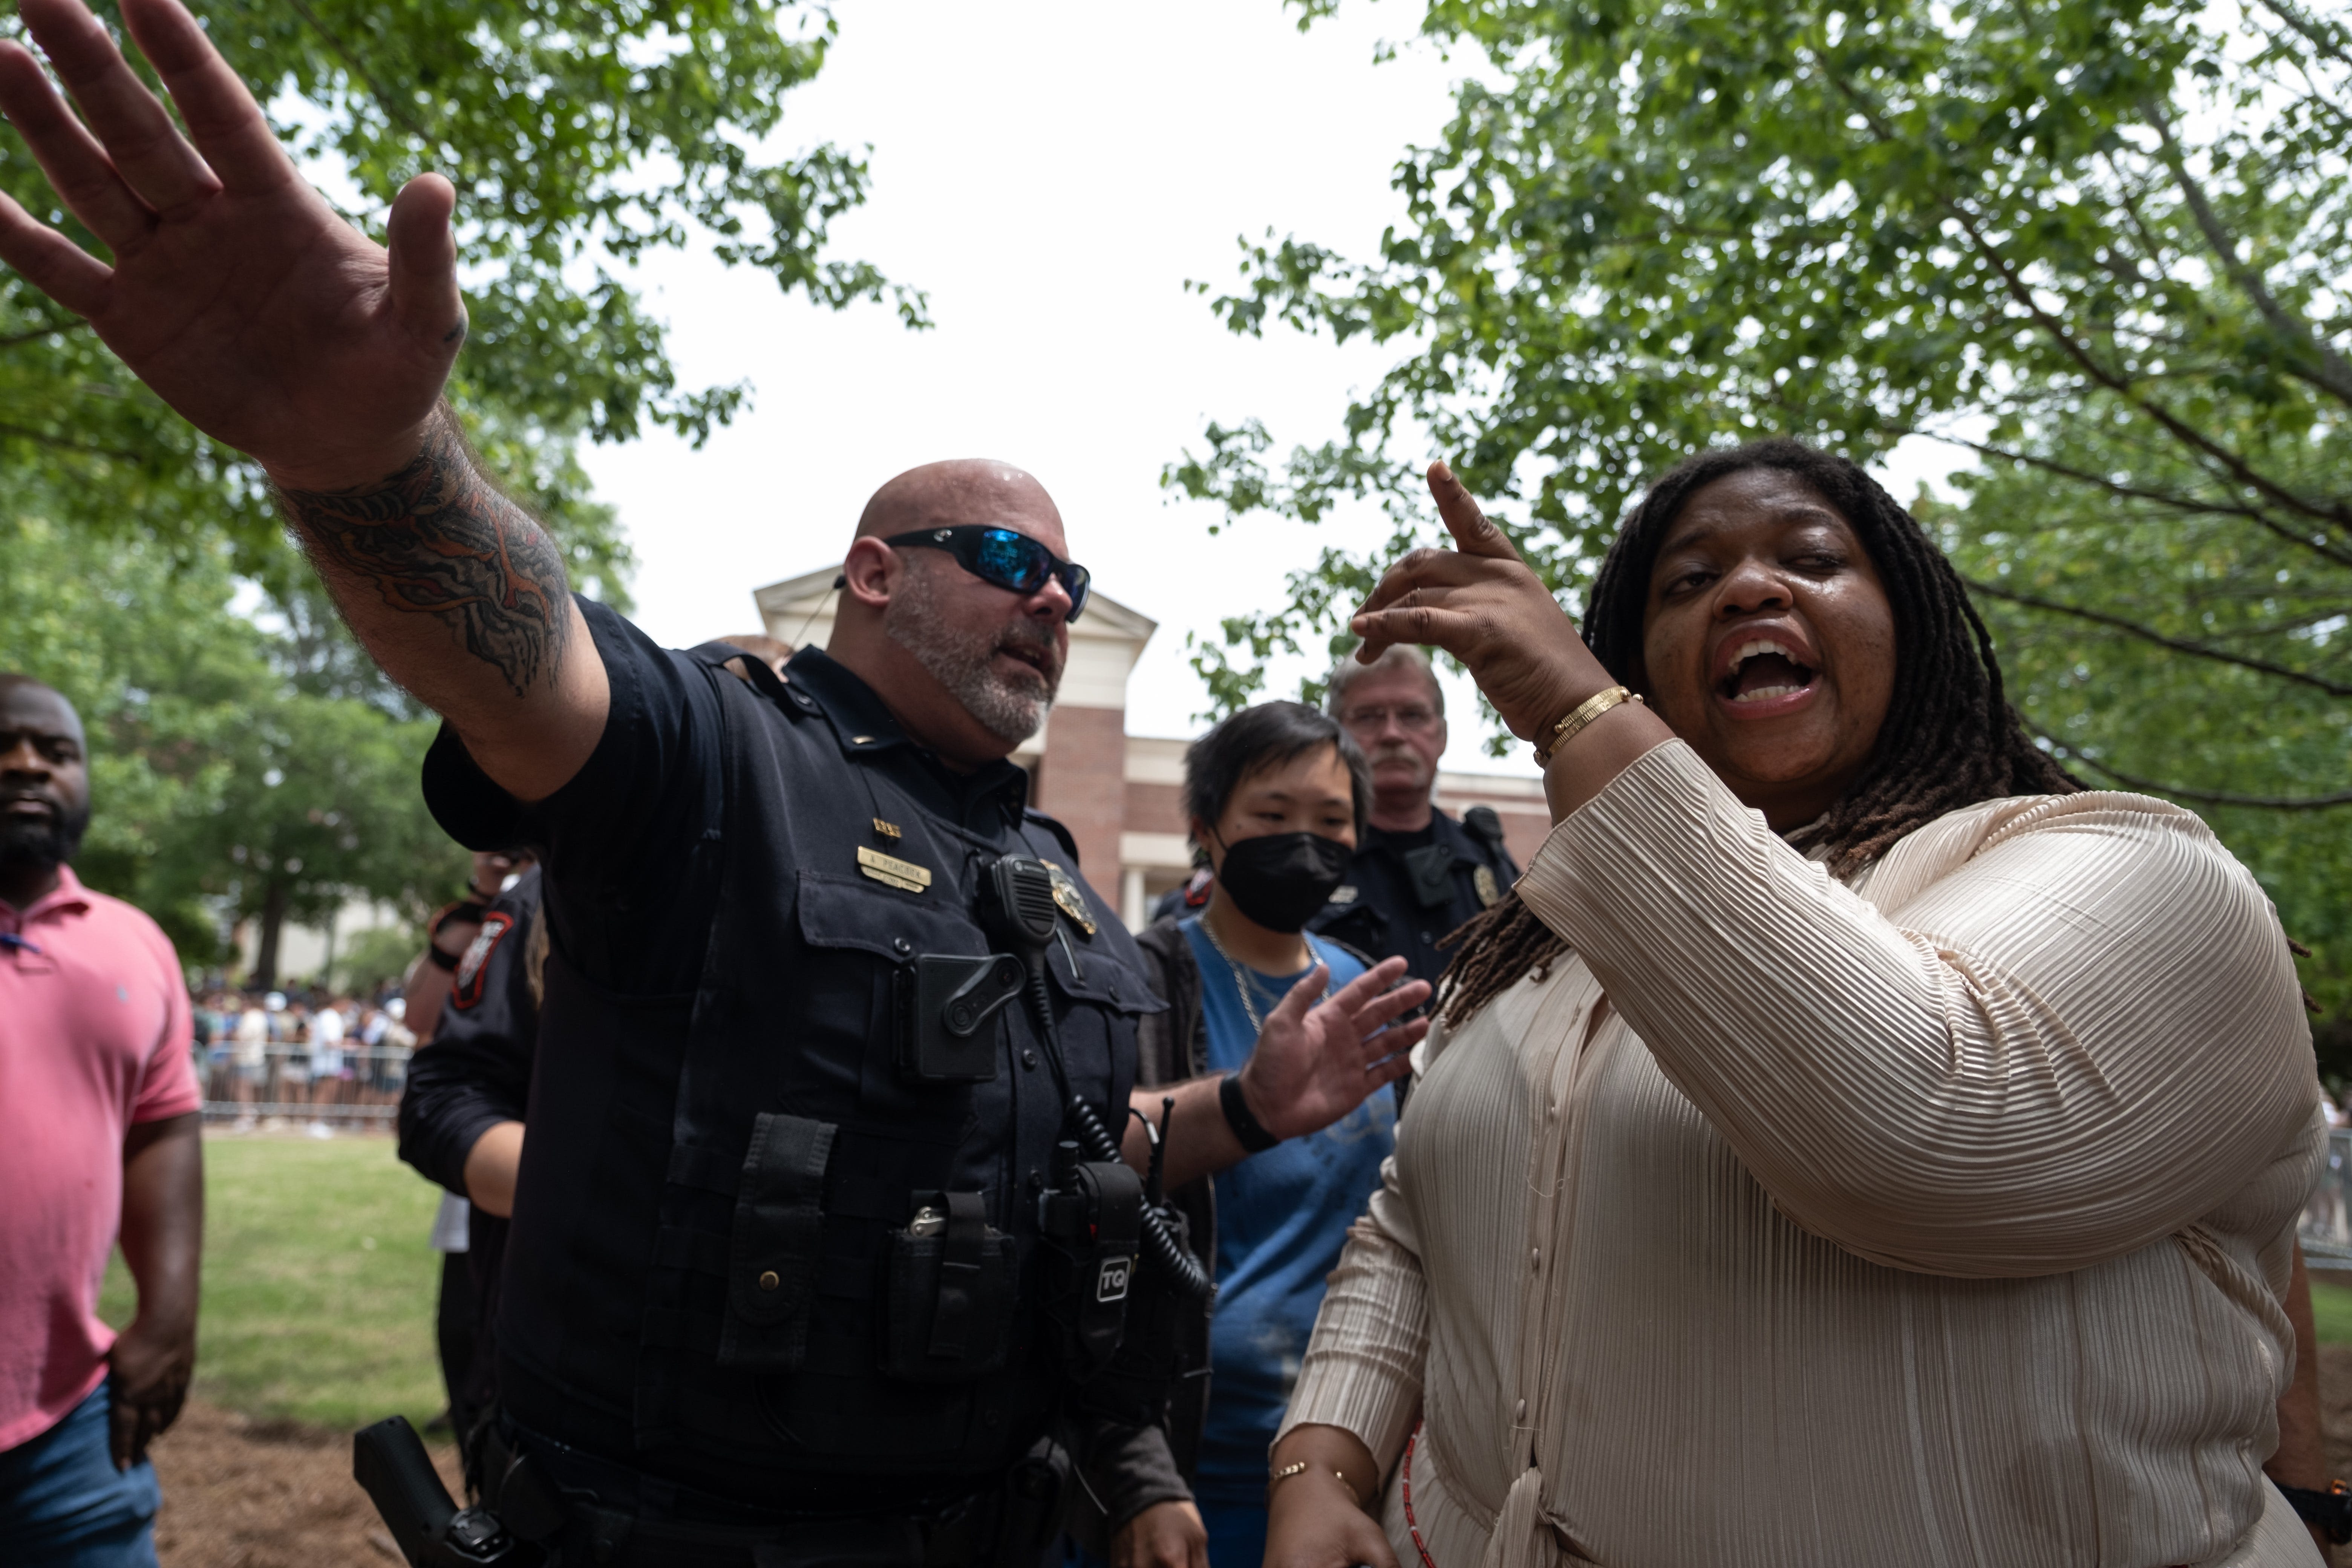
x: 1582, y: 714
x: 1300, y: 1468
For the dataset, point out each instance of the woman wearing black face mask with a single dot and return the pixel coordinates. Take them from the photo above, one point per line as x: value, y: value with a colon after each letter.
x: 1276, y: 795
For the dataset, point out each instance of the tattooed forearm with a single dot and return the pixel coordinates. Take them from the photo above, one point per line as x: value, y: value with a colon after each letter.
x: 437, y: 539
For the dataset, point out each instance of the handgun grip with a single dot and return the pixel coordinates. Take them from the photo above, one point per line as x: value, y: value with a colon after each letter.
x: 388, y: 1460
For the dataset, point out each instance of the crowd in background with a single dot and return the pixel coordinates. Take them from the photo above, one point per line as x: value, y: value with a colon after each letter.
x: 276, y: 1054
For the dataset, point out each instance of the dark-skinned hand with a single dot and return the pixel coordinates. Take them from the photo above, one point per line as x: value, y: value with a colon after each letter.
x: 151, y: 1370
x: 1314, y: 1524
x: 1481, y: 602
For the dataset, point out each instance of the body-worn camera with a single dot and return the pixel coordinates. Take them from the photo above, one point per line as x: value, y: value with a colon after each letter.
x: 947, y: 1015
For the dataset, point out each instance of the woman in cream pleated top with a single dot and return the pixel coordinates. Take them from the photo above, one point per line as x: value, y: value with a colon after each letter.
x: 1856, y: 1144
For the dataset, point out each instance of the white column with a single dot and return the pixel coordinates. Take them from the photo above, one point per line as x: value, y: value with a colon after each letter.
x: 1132, y: 908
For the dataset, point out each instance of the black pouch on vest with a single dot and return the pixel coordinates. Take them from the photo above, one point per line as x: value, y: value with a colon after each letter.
x: 772, y: 1253
x: 951, y: 1294
x: 947, y: 1016
x: 1432, y: 869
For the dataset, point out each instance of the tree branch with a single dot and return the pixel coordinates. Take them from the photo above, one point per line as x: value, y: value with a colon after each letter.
x: 2331, y: 374
x: 63, y: 443
x: 2237, y: 466
x: 2178, y: 645
x: 2113, y: 382
x: 2185, y: 504
x: 2332, y: 48
x: 384, y: 100
x: 2203, y: 796
x: 65, y: 325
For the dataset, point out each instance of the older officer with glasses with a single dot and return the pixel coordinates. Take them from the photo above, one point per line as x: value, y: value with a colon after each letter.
x: 1418, y: 874
x: 821, y: 1233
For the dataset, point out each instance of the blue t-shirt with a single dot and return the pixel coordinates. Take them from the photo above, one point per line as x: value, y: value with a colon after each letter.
x: 1282, y: 1217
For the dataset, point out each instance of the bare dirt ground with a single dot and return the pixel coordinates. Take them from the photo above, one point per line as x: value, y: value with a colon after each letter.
x: 265, y: 1494
x: 268, y: 1494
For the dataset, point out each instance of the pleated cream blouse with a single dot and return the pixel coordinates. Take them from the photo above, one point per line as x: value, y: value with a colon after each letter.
x: 1942, y: 1218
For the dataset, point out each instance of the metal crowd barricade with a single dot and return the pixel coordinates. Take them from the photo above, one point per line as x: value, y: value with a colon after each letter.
x: 2327, y: 1227
x: 360, y: 1091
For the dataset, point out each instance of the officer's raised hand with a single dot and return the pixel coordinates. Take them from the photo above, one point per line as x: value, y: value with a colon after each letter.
x: 254, y: 310
x: 237, y: 292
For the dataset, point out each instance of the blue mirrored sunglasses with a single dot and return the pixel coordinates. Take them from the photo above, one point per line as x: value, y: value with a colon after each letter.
x: 1000, y: 556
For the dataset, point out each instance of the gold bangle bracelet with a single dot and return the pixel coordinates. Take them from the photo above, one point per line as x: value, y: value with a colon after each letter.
x: 1301, y: 1467
x: 1582, y: 714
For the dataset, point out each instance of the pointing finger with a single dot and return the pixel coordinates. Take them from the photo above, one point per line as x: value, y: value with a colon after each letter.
x: 1464, y: 518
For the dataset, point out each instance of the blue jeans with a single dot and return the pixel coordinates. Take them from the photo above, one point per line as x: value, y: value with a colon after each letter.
x: 63, y: 1505
x: 1236, y: 1533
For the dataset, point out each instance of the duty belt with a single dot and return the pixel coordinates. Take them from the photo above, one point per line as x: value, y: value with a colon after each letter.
x: 552, y: 1495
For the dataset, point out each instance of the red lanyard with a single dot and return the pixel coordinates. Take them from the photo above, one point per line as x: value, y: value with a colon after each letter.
x: 1410, y: 1522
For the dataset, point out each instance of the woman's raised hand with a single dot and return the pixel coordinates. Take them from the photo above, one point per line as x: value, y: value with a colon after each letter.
x: 245, y: 301
x: 1480, y: 603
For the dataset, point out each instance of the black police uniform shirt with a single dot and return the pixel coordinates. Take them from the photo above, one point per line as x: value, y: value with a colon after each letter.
x: 735, y: 881
x: 474, y: 1074
x: 1404, y: 891
x: 476, y: 1070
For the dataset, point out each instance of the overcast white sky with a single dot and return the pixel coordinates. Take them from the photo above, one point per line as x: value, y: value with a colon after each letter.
x: 1052, y: 173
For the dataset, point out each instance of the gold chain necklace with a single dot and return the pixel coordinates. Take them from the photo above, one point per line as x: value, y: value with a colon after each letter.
x: 1242, y: 977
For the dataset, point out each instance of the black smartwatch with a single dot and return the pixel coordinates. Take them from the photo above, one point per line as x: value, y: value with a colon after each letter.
x: 1253, y: 1134
x: 2329, y: 1512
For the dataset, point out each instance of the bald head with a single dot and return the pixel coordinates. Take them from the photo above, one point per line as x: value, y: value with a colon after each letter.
x: 961, y: 491
x: 18, y: 690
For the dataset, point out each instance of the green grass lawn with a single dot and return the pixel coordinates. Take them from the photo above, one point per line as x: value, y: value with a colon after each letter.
x: 2331, y: 1313
x: 318, y: 1286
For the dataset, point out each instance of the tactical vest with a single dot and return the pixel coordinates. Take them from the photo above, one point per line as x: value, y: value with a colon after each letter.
x: 732, y: 1264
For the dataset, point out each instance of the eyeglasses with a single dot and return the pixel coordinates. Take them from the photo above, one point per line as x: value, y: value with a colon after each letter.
x: 1377, y: 719
x: 1000, y: 556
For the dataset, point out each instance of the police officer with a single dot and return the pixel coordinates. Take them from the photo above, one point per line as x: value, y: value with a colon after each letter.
x: 1418, y: 874
x: 461, y: 1119
x: 813, y: 1236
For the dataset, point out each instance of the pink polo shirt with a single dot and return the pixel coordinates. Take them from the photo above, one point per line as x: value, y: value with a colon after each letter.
x: 94, y: 1036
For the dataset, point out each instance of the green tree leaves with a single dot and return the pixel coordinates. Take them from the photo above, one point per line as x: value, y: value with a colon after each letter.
x: 269, y: 772
x: 2100, y: 246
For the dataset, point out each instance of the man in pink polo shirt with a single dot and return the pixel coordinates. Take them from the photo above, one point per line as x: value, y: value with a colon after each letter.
x: 98, y: 1112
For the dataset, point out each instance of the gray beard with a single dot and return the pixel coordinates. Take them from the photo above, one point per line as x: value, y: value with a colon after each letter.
x: 1010, y: 711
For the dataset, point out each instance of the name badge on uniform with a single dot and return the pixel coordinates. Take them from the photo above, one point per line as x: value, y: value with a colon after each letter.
x: 893, y: 872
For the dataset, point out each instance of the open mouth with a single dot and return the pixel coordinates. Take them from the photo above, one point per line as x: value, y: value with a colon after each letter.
x: 1763, y: 668
x: 1039, y: 661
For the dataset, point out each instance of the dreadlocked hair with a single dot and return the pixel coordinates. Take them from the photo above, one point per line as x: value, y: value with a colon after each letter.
x: 1950, y: 738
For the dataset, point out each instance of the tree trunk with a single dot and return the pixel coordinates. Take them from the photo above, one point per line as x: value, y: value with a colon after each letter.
x: 273, y: 919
